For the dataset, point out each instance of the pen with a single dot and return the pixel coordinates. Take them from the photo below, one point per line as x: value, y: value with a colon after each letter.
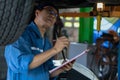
x: 63, y: 55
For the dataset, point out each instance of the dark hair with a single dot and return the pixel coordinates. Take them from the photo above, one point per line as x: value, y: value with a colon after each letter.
x: 40, y: 6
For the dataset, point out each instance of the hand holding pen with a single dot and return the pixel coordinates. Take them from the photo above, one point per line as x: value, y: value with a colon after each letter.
x: 60, y: 44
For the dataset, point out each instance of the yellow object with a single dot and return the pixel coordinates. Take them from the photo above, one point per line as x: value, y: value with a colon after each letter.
x: 98, y: 22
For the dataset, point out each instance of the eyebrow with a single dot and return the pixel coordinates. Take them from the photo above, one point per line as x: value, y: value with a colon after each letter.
x: 51, y: 8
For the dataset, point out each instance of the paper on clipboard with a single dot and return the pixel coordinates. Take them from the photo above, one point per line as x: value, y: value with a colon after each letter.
x: 74, y: 58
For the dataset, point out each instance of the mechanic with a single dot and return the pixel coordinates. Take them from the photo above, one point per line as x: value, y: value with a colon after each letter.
x: 30, y: 57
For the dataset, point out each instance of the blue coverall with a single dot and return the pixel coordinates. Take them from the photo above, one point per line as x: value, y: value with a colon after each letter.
x: 20, y: 54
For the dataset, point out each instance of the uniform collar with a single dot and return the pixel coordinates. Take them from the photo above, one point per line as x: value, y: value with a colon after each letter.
x: 35, y: 29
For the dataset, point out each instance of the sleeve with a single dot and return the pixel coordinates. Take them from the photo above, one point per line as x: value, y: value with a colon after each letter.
x: 51, y: 66
x: 18, y: 55
x: 50, y: 61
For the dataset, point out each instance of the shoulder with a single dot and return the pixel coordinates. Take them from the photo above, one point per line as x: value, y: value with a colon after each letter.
x: 28, y: 31
x: 24, y: 38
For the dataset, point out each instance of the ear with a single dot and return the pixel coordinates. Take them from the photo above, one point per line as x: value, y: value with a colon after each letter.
x: 36, y: 13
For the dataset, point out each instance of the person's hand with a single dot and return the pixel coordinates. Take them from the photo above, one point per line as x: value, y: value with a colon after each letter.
x: 68, y: 66
x: 61, y: 43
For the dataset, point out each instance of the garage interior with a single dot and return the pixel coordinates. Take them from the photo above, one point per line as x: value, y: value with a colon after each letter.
x: 94, y: 65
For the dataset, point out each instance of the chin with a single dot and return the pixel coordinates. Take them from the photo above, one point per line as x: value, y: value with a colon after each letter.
x: 49, y: 25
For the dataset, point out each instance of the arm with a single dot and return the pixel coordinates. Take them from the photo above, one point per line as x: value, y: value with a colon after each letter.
x: 39, y: 59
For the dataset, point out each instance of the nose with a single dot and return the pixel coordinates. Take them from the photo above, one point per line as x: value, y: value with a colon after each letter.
x: 53, y: 16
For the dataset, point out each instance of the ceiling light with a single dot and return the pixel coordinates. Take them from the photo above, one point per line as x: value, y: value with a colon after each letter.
x: 100, y: 6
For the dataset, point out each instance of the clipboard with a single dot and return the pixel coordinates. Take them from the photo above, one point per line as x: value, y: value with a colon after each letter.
x: 69, y: 61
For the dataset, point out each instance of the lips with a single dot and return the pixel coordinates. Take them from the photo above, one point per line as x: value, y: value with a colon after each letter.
x: 49, y: 20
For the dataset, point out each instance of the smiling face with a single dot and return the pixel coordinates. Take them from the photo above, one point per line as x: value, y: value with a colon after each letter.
x: 46, y: 17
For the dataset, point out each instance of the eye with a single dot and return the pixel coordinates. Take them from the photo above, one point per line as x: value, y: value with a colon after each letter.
x: 52, y: 12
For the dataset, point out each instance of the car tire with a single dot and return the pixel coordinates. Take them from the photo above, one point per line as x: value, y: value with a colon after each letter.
x: 14, y: 17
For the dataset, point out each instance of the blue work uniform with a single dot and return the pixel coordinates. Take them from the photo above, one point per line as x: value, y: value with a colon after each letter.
x: 21, y: 53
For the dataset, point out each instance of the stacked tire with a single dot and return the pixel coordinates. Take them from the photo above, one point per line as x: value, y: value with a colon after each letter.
x: 14, y: 17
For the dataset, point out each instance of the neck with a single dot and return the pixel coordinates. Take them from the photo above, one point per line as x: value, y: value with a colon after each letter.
x: 42, y: 31
x: 41, y: 28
